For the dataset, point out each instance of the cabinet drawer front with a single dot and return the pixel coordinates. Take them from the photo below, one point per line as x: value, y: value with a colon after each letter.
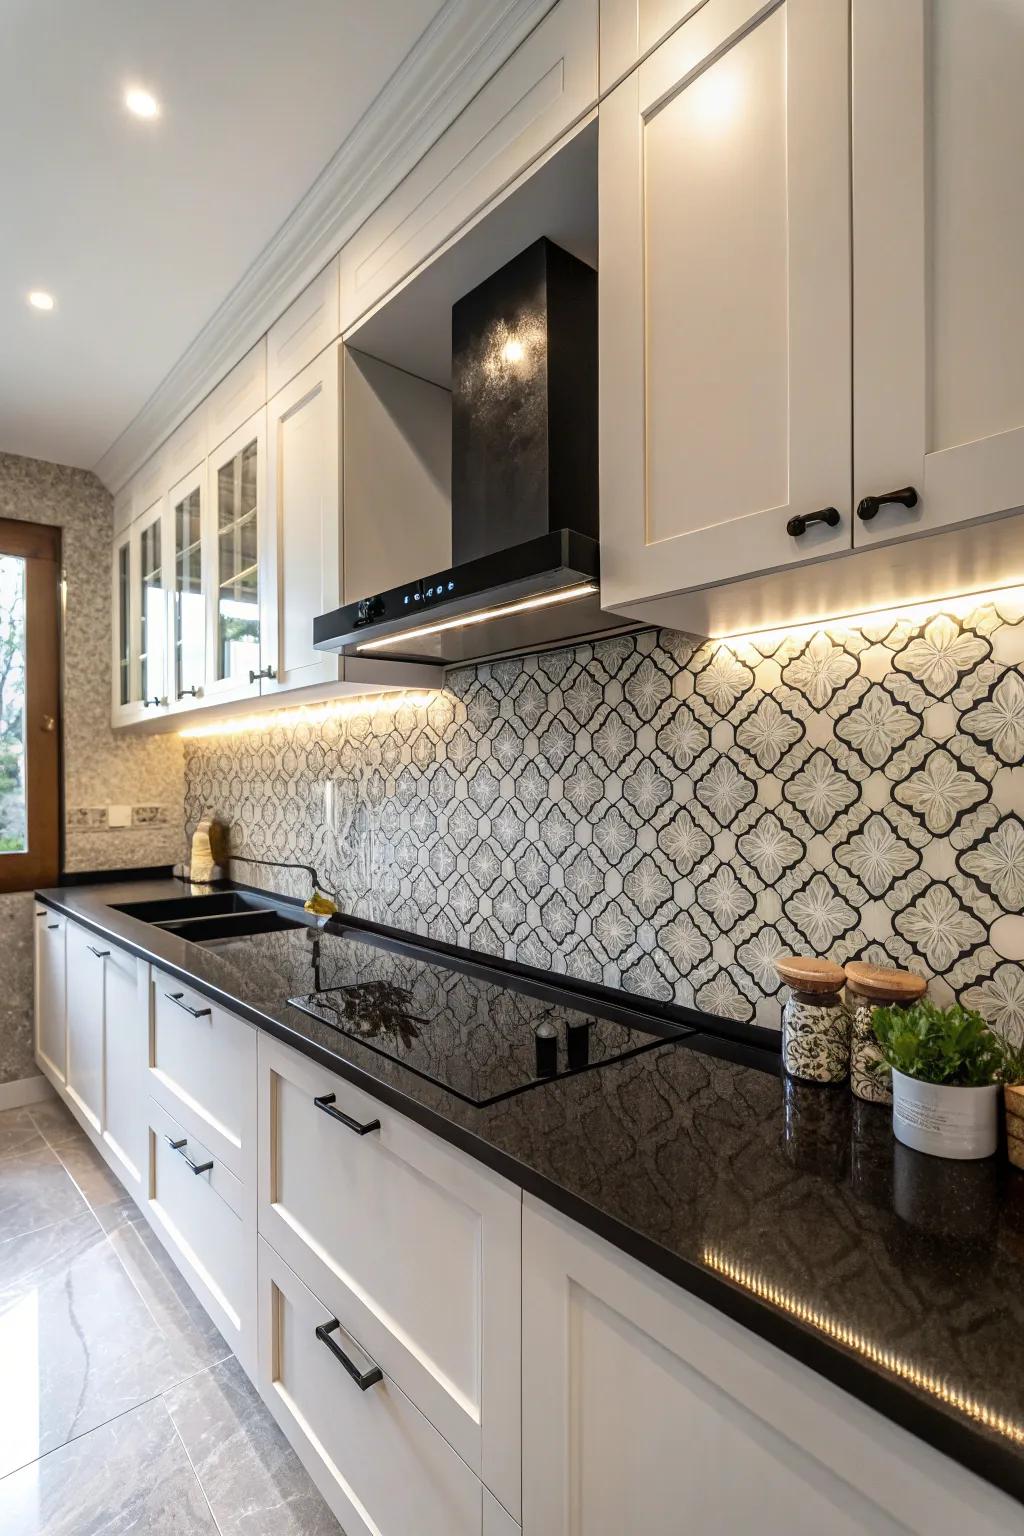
x: 549, y: 81
x: 202, y: 1068
x: 382, y: 1467
x: 202, y: 1219
x: 415, y: 1248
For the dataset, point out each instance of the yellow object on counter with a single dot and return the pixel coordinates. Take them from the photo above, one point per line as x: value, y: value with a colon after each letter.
x: 320, y: 905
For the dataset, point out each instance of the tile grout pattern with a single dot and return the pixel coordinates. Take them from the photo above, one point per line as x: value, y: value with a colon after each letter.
x: 667, y: 816
x: 157, y: 1392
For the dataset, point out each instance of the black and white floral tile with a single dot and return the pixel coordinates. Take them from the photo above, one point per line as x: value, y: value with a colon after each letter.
x: 667, y: 817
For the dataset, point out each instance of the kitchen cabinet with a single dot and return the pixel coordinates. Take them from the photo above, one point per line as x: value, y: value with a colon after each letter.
x: 938, y: 224
x: 724, y: 301
x: 237, y: 397
x: 124, y: 1046
x: 642, y: 1402
x: 187, y: 608
x: 85, y: 956
x: 307, y: 326
x: 546, y: 85
x: 152, y: 586
x: 413, y: 1247
x: 631, y: 28
x: 50, y: 1021
x: 236, y: 614
x: 124, y: 696
x: 186, y: 447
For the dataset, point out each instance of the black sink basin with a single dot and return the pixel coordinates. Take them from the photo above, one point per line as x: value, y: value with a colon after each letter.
x: 211, y: 919
x: 232, y: 925
x: 216, y: 904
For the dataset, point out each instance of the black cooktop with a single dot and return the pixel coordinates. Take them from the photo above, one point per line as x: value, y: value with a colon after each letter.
x: 478, y: 1038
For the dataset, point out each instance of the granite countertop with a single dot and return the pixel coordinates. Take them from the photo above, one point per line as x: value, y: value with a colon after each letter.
x: 789, y: 1207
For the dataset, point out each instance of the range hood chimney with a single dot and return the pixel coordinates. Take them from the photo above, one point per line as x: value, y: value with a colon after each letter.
x: 524, y: 572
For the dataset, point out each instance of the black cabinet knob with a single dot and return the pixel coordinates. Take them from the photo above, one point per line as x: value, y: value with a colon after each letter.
x: 799, y: 525
x: 870, y: 506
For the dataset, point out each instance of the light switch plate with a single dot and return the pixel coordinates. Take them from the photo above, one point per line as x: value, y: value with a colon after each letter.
x: 119, y: 815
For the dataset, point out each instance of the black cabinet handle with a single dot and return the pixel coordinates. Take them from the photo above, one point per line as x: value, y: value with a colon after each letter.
x: 53, y: 925
x: 101, y: 954
x: 156, y: 699
x: 870, y: 506
x: 326, y: 1101
x: 179, y: 1147
x: 191, y: 693
x: 267, y: 672
x: 41, y: 914
x: 179, y: 998
x: 363, y: 1379
x: 800, y: 524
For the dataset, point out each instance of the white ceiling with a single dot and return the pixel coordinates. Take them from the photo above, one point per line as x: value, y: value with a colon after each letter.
x: 141, y: 229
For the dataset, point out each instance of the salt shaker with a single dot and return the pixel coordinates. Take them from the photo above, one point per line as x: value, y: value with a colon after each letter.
x: 869, y: 987
x: 815, y: 1024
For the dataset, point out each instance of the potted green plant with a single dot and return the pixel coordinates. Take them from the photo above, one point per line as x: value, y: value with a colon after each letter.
x: 947, y: 1068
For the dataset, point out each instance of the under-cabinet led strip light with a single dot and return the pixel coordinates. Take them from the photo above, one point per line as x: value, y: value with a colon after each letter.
x: 753, y: 1281
x: 915, y: 612
x: 482, y: 616
x: 313, y: 714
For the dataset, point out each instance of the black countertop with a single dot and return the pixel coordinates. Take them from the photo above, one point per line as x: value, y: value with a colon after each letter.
x: 789, y: 1207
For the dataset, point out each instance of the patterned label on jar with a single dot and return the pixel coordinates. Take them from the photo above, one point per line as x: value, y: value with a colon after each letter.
x: 815, y: 1041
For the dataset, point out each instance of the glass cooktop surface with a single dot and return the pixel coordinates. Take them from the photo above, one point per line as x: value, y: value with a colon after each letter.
x: 475, y: 1036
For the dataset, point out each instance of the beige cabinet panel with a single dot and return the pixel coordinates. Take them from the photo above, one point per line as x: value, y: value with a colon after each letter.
x: 304, y: 330
x: 186, y: 447
x: 938, y: 226
x: 724, y: 301
x: 631, y: 28
x: 548, y: 83
x: 238, y: 396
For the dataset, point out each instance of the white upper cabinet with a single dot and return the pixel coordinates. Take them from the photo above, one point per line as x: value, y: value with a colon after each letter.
x: 938, y: 229
x: 236, y: 611
x: 724, y: 301
x: 548, y: 83
x: 237, y: 396
x: 302, y: 545
x: 186, y: 446
x: 186, y: 504
x: 151, y: 558
x: 124, y: 705
x: 123, y: 508
x: 148, y: 484
x: 304, y: 330
x: 631, y: 28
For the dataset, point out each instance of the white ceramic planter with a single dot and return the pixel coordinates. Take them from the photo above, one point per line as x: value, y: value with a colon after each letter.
x: 944, y: 1121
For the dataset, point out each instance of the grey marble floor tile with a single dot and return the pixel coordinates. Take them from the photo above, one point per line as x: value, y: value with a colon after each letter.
x: 18, y: 1134
x: 78, y: 1344
x: 89, y: 1172
x: 192, y: 1340
x: 55, y: 1121
x: 254, y: 1481
x: 35, y: 1190
x: 130, y: 1477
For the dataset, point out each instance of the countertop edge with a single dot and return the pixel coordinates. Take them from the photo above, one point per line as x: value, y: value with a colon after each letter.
x: 972, y: 1449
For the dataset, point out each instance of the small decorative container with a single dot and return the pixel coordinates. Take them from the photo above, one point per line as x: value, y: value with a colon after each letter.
x: 815, y: 1024
x: 945, y: 1121
x: 1013, y: 1098
x: 869, y: 987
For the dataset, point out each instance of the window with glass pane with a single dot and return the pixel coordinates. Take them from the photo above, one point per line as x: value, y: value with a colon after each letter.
x: 189, y: 609
x: 124, y: 625
x: 151, y: 614
x: 13, y: 819
x: 238, y: 614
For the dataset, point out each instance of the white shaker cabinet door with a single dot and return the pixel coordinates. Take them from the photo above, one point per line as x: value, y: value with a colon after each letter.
x: 725, y: 301
x: 647, y: 1411
x: 938, y: 228
x: 85, y: 956
x: 631, y: 28
x: 126, y: 1020
x: 51, y: 1026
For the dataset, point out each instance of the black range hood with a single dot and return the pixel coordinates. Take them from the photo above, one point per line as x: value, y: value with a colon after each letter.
x: 524, y: 573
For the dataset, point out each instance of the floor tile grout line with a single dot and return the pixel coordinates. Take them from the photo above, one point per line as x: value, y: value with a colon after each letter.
x: 188, y: 1457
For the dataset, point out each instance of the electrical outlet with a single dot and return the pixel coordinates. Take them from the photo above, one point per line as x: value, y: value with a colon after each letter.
x: 119, y: 815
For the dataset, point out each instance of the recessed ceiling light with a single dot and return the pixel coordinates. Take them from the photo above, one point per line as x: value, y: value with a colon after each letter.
x: 40, y: 300
x: 141, y: 102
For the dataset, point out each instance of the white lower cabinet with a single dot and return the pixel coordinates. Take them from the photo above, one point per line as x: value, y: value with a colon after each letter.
x: 382, y: 1467
x: 124, y: 1047
x: 206, y: 1219
x: 647, y: 1411
x: 412, y: 1245
x: 85, y: 955
x: 50, y: 1013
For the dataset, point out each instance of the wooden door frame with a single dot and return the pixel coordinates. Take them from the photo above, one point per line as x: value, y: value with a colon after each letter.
x: 39, y: 546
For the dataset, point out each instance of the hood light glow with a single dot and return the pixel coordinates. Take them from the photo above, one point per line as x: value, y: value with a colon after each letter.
x: 482, y: 616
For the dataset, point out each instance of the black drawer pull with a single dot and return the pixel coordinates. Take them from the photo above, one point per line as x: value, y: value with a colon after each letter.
x: 53, y: 925
x: 870, y: 506
x: 800, y: 524
x: 41, y: 914
x: 101, y: 954
x: 179, y: 1147
x: 325, y: 1102
x: 363, y: 1379
x: 179, y: 998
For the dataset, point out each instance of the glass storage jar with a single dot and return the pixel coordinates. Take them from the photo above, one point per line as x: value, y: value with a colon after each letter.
x: 815, y: 1024
x: 869, y: 987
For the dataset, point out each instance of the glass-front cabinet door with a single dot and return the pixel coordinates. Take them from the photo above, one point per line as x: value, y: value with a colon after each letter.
x: 124, y: 694
x: 152, y: 609
x: 188, y: 591
x: 236, y: 471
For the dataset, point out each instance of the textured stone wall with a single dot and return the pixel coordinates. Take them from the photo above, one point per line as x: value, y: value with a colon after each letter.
x: 668, y: 817
x: 100, y: 769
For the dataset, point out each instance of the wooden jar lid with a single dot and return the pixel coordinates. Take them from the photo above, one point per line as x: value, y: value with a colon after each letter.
x: 886, y: 986
x: 807, y: 975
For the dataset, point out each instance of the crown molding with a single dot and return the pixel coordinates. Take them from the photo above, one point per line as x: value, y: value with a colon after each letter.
x: 465, y: 44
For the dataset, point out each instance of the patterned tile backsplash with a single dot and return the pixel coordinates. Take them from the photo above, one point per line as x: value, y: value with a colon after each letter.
x: 667, y: 817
